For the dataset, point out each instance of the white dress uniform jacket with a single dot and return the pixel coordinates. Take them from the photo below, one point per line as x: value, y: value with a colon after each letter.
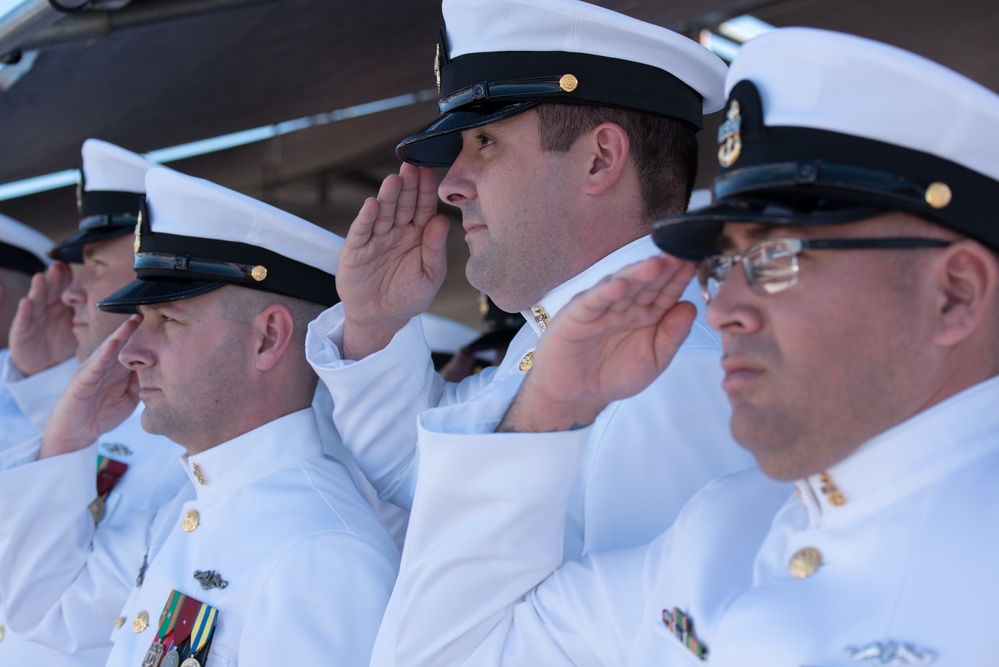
x: 64, y: 620
x: 902, y: 571
x: 654, y: 450
x: 35, y: 396
x: 306, y: 565
x: 15, y: 427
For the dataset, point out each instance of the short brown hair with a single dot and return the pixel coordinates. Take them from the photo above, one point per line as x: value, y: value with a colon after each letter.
x: 664, y: 149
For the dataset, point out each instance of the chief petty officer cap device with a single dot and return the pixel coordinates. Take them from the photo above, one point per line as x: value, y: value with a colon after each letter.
x: 108, y: 195
x: 825, y: 128
x: 194, y: 236
x: 498, y: 59
x: 22, y: 248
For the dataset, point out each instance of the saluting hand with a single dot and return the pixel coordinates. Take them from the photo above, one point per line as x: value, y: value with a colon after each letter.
x: 607, y: 344
x: 41, y: 334
x: 393, y: 260
x: 99, y: 397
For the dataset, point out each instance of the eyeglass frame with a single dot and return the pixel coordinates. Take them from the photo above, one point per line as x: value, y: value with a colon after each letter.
x: 706, y: 268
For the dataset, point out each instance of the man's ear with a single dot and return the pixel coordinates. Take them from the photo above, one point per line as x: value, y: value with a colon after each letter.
x: 275, y: 329
x: 967, y: 277
x: 610, y: 150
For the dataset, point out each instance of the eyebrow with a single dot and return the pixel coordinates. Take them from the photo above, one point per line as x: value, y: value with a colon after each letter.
x: 168, y: 306
x: 755, y: 232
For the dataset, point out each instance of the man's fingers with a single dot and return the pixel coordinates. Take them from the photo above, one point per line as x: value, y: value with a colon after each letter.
x: 57, y: 279
x: 405, y: 207
x: 388, y: 200
x: 426, y: 199
x: 108, y: 351
x: 359, y: 232
x: 673, y: 330
x: 434, y: 246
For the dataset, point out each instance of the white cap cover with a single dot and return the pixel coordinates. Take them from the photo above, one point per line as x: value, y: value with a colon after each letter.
x: 825, y: 128
x: 21, y: 247
x: 498, y: 59
x: 112, y: 182
x: 196, y: 236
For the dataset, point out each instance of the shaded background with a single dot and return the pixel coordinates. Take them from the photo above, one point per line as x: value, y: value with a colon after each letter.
x: 158, y: 73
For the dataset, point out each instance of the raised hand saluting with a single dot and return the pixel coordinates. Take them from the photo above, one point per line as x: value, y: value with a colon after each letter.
x: 101, y: 395
x: 41, y: 334
x: 393, y: 260
x: 610, y: 342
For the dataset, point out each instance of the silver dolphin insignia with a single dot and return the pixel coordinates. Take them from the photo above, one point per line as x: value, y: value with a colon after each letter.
x: 890, y: 653
x: 210, y: 579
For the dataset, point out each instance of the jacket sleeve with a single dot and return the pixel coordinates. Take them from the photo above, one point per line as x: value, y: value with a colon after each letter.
x: 476, y: 584
x: 37, y: 395
x: 58, y: 584
x: 376, y: 400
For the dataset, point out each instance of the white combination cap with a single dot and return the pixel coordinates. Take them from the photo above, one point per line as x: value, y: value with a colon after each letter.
x: 496, y: 59
x: 22, y: 248
x: 826, y: 128
x: 194, y: 236
x: 112, y: 183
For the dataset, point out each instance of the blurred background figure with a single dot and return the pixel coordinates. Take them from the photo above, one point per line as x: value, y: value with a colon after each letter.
x: 498, y: 329
x: 22, y: 254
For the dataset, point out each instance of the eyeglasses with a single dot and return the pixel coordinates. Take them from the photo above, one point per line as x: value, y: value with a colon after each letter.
x: 771, y: 265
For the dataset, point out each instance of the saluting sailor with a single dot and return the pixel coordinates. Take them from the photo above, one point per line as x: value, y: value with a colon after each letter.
x: 567, y: 129
x: 22, y: 255
x: 849, y: 262
x: 269, y: 555
x: 129, y: 473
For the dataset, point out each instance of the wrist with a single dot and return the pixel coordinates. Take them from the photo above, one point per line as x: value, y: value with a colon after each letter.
x: 534, y: 412
x: 361, y: 339
x: 55, y: 444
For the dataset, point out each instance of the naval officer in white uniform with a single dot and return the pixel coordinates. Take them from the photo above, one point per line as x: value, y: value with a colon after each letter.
x: 22, y: 255
x: 850, y: 264
x: 567, y: 130
x: 269, y: 555
x: 132, y: 472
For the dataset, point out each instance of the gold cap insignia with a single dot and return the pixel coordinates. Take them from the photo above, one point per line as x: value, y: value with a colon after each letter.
x: 729, y: 138
x: 568, y: 83
x: 138, y: 234
x: 258, y: 273
x: 79, y: 195
x: 437, y: 67
x: 938, y: 195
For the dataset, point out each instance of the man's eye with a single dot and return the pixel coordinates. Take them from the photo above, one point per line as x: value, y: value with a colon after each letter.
x: 484, y: 140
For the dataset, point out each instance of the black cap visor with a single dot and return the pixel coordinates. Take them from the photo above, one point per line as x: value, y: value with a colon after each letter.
x: 438, y: 144
x: 694, y: 235
x: 71, y: 249
x: 145, y: 292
